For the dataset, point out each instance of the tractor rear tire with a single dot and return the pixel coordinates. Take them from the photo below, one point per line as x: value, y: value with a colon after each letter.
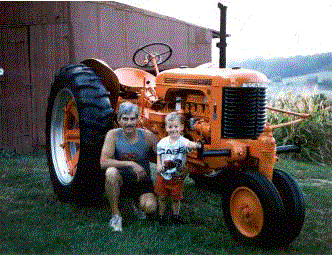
x: 79, y: 114
x: 252, y: 209
x: 293, y: 201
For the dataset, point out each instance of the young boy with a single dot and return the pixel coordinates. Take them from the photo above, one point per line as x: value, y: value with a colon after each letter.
x: 171, y: 162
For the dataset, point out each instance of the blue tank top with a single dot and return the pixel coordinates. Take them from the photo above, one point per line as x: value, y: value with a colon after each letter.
x: 138, y: 151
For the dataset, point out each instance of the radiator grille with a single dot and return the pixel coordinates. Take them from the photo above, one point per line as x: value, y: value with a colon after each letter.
x: 244, y: 113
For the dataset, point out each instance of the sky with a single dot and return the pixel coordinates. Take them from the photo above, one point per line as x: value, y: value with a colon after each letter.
x: 257, y: 28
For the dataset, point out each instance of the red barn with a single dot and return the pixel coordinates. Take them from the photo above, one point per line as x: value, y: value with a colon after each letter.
x: 37, y: 38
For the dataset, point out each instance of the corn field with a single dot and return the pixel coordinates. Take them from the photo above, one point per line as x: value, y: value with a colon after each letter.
x: 314, y: 135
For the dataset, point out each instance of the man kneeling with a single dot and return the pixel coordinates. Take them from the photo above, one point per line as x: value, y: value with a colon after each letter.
x: 125, y: 156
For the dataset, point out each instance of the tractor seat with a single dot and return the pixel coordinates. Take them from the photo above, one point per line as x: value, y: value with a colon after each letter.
x: 132, y: 81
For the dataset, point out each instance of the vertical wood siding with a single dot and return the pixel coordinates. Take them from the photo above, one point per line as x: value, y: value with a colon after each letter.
x: 114, y: 34
x: 49, y: 51
x: 33, y: 12
x: 16, y: 96
x: 37, y: 38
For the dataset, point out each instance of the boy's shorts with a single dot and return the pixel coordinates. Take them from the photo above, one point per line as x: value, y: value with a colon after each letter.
x: 130, y: 187
x: 173, y: 189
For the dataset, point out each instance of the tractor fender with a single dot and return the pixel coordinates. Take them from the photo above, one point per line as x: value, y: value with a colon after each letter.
x: 109, y: 78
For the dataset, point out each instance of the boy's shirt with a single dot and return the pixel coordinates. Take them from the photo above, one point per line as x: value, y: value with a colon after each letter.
x: 173, y: 156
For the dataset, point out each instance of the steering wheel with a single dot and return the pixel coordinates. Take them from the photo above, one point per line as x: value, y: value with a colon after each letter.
x: 143, y: 56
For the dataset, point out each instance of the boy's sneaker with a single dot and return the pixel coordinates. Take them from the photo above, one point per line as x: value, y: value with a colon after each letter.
x: 162, y: 220
x: 177, y: 220
x: 140, y: 214
x: 116, y: 223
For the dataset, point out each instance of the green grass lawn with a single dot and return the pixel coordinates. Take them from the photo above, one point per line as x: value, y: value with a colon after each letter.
x: 33, y: 220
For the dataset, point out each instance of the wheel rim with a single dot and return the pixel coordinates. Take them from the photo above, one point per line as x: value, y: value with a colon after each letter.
x: 65, y: 136
x: 246, y: 212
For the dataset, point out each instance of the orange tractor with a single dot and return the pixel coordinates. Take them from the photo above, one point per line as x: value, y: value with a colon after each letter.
x: 225, y: 108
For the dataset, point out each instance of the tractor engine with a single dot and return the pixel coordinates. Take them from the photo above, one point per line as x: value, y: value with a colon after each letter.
x: 223, y: 108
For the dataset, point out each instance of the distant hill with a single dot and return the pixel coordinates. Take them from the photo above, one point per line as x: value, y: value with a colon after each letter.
x: 309, y: 84
x: 278, y: 68
x: 312, y: 78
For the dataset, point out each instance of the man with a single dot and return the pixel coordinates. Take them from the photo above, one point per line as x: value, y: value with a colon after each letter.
x: 125, y: 156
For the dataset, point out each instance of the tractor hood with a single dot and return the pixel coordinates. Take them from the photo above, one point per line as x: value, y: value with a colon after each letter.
x: 234, y: 77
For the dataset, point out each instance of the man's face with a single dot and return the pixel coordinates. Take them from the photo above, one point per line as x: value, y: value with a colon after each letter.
x: 174, y: 128
x: 128, y: 122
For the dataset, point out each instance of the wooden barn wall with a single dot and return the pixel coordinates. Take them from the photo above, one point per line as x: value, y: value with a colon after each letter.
x: 37, y: 38
x: 34, y: 44
x: 33, y: 12
x: 115, y: 33
x: 49, y: 49
x: 16, y: 90
x: 85, y: 30
x: 112, y: 36
x: 199, y: 46
x: 2, y: 81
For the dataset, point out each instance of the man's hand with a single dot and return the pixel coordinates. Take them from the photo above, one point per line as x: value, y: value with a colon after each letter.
x: 139, y: 170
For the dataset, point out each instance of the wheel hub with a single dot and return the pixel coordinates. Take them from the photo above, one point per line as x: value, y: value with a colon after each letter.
x: 71, y: 136
x: 246, y: 212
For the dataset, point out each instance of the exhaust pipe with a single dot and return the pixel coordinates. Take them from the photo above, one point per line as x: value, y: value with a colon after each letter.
x: 222, y: 44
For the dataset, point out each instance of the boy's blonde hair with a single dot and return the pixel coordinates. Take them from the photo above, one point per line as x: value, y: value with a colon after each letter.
x: 174, y: 116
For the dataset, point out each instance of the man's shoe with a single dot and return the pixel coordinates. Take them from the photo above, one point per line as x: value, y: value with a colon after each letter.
x: 116, y: 223
x: 140, y: 214
x: 177, y: 220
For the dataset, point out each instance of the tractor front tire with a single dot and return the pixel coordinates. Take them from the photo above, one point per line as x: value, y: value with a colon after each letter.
x: 252, y: 209
x: 79, y: 114
x: 293, y: 201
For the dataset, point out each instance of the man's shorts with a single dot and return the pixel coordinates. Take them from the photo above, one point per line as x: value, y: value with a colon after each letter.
x: 173, y: 189
x: 130, y: 186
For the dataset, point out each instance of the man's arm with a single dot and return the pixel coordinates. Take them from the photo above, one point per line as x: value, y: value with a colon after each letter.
x: 107, y: 153
x: 151, y: 139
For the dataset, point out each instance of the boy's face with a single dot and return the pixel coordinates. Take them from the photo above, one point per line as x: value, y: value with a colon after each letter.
x: 174, y: 128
